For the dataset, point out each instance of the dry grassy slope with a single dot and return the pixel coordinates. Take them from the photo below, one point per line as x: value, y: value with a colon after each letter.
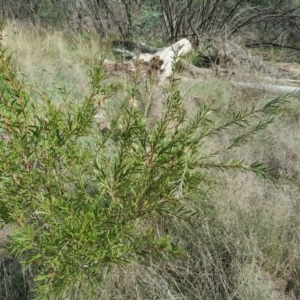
x: 252, y: 248
x: 261, y: 220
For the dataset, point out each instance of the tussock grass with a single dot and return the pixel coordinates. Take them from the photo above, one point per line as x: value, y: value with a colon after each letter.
x: 248, y: 244
x: 52, y: 57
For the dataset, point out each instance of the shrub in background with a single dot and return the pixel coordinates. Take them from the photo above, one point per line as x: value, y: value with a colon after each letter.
x: 46, y: 12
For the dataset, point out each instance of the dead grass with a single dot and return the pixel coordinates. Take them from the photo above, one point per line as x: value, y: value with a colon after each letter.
x: 51, y: 57
x: 249, y: 246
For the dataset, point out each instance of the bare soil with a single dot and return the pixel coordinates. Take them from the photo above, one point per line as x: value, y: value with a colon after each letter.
x: 292, y: 69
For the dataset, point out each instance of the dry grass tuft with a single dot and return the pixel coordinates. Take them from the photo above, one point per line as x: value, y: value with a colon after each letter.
x: 52, y: 57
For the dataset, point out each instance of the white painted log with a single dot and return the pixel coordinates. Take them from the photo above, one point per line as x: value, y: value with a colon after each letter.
x: 168, y: 56
x: 143, y: 57
x: 289, y: 80
x: 163, y: 59
x: 171, y: 55
x: 267, y: 87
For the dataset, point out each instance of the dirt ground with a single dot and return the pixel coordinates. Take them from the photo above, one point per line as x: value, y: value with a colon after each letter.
x: 290, y: 68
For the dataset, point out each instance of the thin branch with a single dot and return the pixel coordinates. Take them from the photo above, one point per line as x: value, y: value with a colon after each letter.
x: 254, y: 45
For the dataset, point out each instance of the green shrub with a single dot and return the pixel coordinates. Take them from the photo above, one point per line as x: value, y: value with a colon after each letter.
x: 197, y: 60
x: 83, y: 198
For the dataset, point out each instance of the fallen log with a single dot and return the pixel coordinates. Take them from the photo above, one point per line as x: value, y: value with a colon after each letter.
x: 144, y: 48
x: 134, y: 47
x: 160, y: 62
x: 267, y: 87
x: 165, y: 58
x: 122, y: 53
x: 170, y: 56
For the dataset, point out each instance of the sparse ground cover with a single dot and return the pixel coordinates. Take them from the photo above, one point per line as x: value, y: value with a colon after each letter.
x: 246, y: 244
